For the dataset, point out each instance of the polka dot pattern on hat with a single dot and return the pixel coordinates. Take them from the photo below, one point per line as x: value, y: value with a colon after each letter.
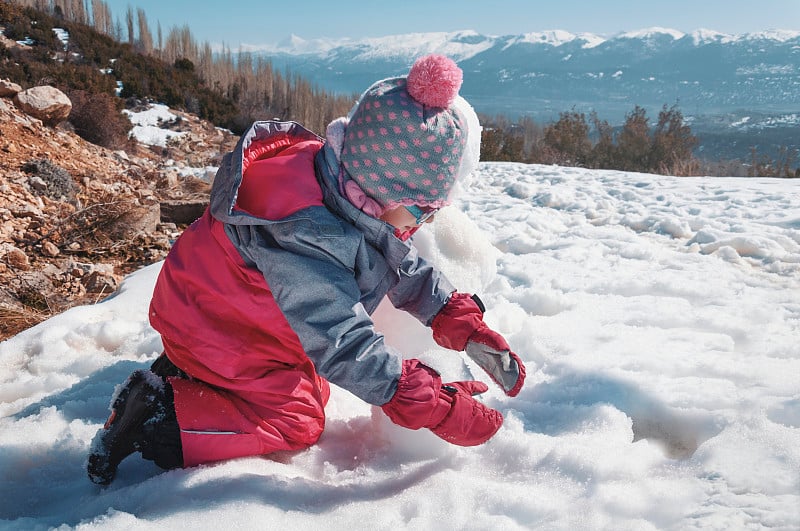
x: 401, y: 151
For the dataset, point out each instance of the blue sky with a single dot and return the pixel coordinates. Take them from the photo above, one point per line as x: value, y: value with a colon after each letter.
x: 260, y: 22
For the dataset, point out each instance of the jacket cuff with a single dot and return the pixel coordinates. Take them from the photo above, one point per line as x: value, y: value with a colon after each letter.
x: 457, y: 321
x: 417, y: 403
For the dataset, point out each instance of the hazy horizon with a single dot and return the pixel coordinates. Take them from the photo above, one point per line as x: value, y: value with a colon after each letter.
x: 355, y: 20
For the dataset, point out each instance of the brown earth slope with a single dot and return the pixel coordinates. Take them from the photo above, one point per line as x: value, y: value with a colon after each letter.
x: 76, y: 217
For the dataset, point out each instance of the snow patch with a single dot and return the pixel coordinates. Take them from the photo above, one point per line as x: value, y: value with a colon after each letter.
x: 658, y: 320
x: 146, y: 125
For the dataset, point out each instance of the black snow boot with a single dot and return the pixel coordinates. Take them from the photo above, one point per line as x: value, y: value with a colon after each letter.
x: 142, y: 404
x: 164, y: 435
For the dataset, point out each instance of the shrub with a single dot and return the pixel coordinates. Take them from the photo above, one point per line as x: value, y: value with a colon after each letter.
x: 96, y: 118
x: 673, y: 144
x: 53, y: 181
x: 781, y: 166
x: 569, y: 137
x: 184, y: 64
x: 633, y: 142
x: 604, y: 152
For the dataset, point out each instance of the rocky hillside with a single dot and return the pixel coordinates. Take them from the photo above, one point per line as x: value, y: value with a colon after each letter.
x: 76, y: 217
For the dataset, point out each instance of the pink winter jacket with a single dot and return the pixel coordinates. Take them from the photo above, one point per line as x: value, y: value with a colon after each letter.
x: 280, y: 275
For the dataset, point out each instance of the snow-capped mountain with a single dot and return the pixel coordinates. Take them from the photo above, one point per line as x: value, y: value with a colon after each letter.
x: 544, y: 73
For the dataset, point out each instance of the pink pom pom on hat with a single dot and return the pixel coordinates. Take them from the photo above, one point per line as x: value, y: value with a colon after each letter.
x: 434, y: 80
x: 405, y: 138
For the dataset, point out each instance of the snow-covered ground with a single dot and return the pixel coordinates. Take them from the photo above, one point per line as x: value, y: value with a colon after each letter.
x: 659, y: 318
x: 147, y: 125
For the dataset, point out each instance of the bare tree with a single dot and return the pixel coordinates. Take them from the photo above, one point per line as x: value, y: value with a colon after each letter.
x: 99, y: 16
x: 145, y: 37
x: 180, y: 45
x: 129, y: 25
x: 78, y: 12
x: 117, y: 33
x: 160, y: 40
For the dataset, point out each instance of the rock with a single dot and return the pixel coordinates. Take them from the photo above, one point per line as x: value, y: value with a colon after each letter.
x: 35, y: 288
x: 167, y: 227
x: 182, y: 212
x: 140, y: 219
x: 79, y: 269
x: 14, y: 257
x: 169, y: 179
x: 145, y: 195
x: 37, y: 184
x: 46, y: 103
x: 100, y: 282
x: 27, y: 210
x: 8, y: 88
x: 7, y: 228
x: 50, y: 249
x: 72, y: 288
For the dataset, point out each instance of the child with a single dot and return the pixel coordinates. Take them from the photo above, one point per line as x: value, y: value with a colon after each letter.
x: 267, y: 297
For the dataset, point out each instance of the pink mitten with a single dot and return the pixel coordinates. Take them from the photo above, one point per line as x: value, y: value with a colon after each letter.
x: 459, y: 326
x: 448, y: 410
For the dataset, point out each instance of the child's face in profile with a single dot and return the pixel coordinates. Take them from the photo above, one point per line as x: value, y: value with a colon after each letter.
x: 401, y: 219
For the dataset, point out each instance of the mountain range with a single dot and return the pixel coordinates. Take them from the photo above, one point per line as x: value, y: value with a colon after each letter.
x: 542, y: 74
x: 717, y: 80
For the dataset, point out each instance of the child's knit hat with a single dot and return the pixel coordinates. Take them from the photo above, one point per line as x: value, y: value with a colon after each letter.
x: 409, y: 139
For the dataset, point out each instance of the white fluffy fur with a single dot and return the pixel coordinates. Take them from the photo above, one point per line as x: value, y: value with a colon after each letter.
x: 472, y: 149
x: 334, y: 134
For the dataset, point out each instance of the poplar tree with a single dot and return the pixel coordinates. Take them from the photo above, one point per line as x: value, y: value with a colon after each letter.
x: 145, y: 37
x: 129, y: 25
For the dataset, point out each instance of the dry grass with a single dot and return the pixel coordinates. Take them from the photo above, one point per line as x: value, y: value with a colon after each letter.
x: 14, y: 321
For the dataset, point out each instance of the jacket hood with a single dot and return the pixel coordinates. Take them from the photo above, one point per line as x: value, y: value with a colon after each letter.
x: 261, y: 140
